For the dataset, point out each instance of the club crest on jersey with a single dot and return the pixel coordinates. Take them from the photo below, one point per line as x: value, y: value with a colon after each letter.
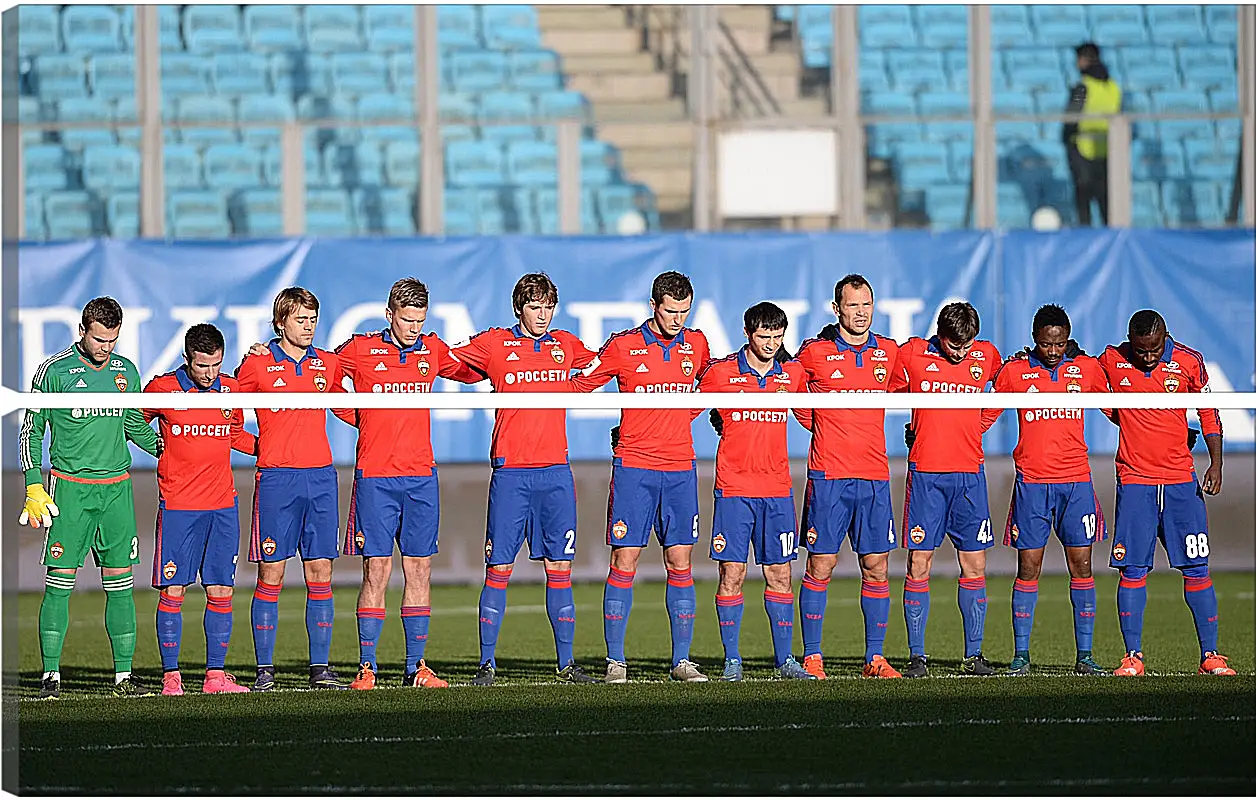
x: 557, y: 354
x: 1118, y: 552
x: 1170, y: 383
x: 320, y: 383
x: 168, y: 570
x: 1073, y: 386
x: 1015, y: 534
x: 811, y: 536
x: 686, y: 366
x: 975, y: 371
x: 56, y: 551
x: 488, y: 550
x: 880, y: 372
x: 718, y: 543
x: 226, y: 413
x: 424, y: 367
x: 359, y: 539
x: 120, y: 382
x: 268, y: 546
x: 917, y: 535
x: 620, y: 529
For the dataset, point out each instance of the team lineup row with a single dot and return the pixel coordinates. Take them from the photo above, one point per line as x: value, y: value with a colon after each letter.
x: 395, y: 502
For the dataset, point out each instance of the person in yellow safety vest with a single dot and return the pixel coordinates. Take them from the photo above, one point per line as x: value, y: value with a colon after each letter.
x: 1087, y: 141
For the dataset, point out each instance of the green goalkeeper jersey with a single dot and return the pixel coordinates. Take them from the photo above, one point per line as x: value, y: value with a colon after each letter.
x: 87, y: 443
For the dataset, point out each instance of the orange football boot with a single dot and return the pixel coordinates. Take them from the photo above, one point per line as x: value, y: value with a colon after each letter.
x: 424, y: 678
x: 1132, y: 664
x: 365, y: 679
x: 878, y: 667
x: 814, y: 664
x: 1215, y: 664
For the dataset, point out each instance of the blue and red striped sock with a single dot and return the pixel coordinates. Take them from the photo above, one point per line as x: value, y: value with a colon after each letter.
x: 812, y: 598
x: 265, y: 619
x: 415, y: 621
x: 1131, y: 601
x: 1024, y: 599
x: 217, y: 631
x: 972, y: 607
x: 729, y: 609
x: 874, y: 601
x: 1201, y: 598
x: 682, y: 608
x: 616, y: 605
x: 169, y: 630
x: 780, y: 608
x: 560, y: 605
x: 1082, y: 592
x: 320, y: 613
x: 370, y: 623
x: 492, y: 609
x: 916, y: 614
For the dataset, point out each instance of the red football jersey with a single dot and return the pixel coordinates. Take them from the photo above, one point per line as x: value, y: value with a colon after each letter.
x: 1152, y: 448
x: 639, y: 361
x: 847, y: 444
x: 292, y: 437
x: 947, y: 440
x: 752, y: 459
x: 194, y: 471
x: 518, y: 363
x: 396, y: 442
x: 1051, y: 447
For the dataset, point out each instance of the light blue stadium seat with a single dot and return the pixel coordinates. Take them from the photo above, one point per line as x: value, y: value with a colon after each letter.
x: 107, y: 168
x: 960, y: 156
x: 867, y: 15
x: 1213, y: 78
x: 491, y: 219
x: 299, y: 73
x: 474, y: 164
x: 901, y: 60
x: 1021, y: 58
x: 329, y: 109
x: 387, y: 211
x: 169, y: 36
x: 946, y: 205
x: 1151, y: 78
x: 817, y: 54
x: 333, y: 28
x: 1103, y: 14
x: 181, y: 166
x: 1146, y: 204
x: 256, y: 212
x: 1044, y: 13
x: 562, y: 105
x: 1013, y: 102
x: 617, y: 200
x: 45, y: 167
x: 403, y: 163
x: 1209, y: 159
x: 1157, y: 160
x: 509, y: 107
x: 888, y: 104
x: 535, y: 70
x: 1009, y: 26
x: 928, y: 16
x: 460, y: 208
x: 1013, y: 206
x: 915, y: 77
x: 85, y: 110
x: 884, y: 137
x: 532, y: 163
x: 1177, y: 32
x: 873, y: 80
x: 125, y: 111
x: 1040, y: 78
x: 1222, y: 22
x: 1158, y: 15
x: 239, y: 73
x: 40, y: 30
x: 1035, y: 161
x: 388, y: 28
x: 329, y: 212
x: 523, y: 202
x: 212, y: 29
x: 30, y: 112
x: 455, y: 108
x: 206, y: 109
x: 272, y: 166
x: 1224, y: 100
x: 90, y: 29
x: 1136, y: 58
x: 944, y: 34
x: 272, y: 28
x: 352, y: 166
x: 508, y: 27
x: 184, y: 74
x: 1021, y: 131
x: 122, y: 214
x: 921, y: 164
x: 72, y: 214
x: 887, y: 35
x: 356, y: 74
x: 387, y: 106
x: 264, y: 108
x: 477, y: 70
x: 457, y: 26
x: 197, y: 215
x: 949, y: 104
x: 1119, y: 33
x: 1191, y: 203
x: 544, y: 203
x: 1181, y: 102
x: 34, y: 230
x: 401, y: 71
x: 112, y: 74
x: 1061, y: 32
x: 232, y: 166
x: 58, y: 76
x: 458, y: 133
x: 1196, y: 57
x: 599, y: 163
x: 785, y: 13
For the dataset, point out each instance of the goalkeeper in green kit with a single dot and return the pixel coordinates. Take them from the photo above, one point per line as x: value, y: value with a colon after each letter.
x: 90, y: 490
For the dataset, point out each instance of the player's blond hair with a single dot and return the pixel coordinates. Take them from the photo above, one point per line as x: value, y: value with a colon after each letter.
x: 288, y: 302
x: 407, y: 292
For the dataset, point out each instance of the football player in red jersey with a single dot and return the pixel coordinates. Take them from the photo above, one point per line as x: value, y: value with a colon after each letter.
x: 1157, y: 493
x: 848, y: 474
x: 946, y: 480
x: 531, y: 495
x: 295, y: 499
x: 654, y: 481
x: 198, y: 517
x: 1053, y: 487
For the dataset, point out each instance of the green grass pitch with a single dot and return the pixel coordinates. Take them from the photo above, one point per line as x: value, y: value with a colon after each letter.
x: 1171, y: 731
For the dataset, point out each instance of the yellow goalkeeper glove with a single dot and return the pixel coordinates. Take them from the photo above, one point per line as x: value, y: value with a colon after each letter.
x: 39, y: 507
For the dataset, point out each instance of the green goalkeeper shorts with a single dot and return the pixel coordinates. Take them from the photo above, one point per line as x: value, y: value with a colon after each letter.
x: 98, y: 516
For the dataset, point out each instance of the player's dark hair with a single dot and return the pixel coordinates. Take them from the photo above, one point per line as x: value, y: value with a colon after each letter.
x: 959, y: 322
x: 533, y: 287
x: 1146, y: 323
x: 769, y: 317
x: 1052, y: 316
x: 854, y: 281
x: 407, y: 292
x: 102, y: 310
x: 288, y: 301
x: 671, y: 284
x: 1088, y: 50
x: 203, y: 338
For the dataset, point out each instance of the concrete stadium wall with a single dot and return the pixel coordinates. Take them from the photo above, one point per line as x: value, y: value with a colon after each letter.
x: 464, y: 493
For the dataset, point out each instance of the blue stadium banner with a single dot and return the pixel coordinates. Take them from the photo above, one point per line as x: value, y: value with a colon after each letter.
x: 1202, y: 281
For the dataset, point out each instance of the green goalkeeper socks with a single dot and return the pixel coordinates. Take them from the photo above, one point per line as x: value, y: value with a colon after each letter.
x: 54, y: 618
x: 120, y: 619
